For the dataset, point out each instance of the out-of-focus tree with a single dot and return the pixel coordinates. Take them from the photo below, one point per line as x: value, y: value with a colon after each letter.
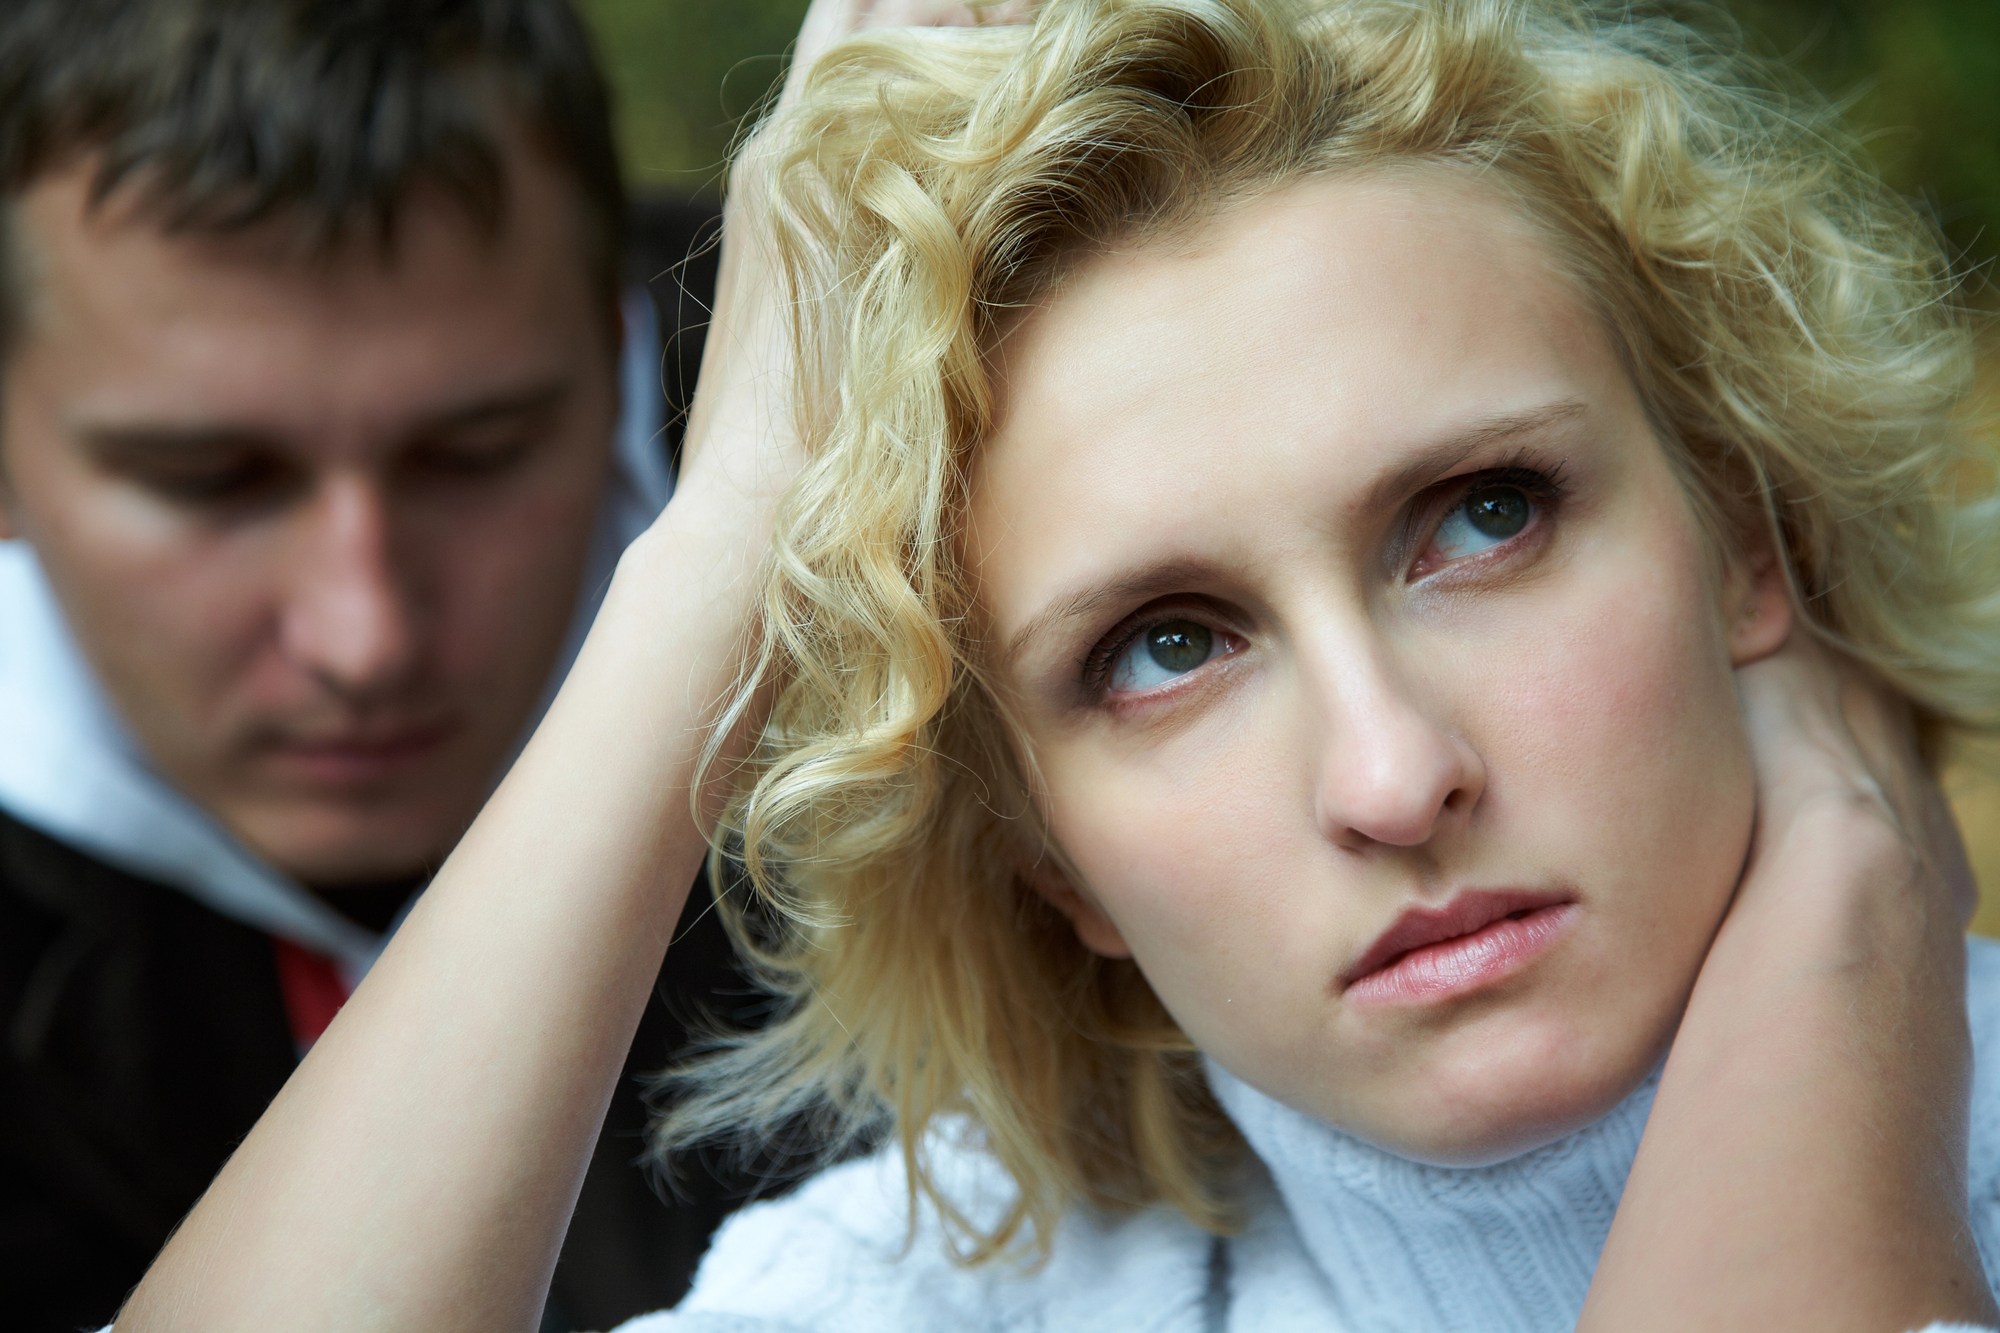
x: 686, y: 73
x: 1920, y: 80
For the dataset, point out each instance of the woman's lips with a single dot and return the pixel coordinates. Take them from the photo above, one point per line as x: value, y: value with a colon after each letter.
x: 1472, y: 941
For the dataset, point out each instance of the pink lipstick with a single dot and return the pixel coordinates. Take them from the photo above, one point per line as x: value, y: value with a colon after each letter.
x: 1477, y: 938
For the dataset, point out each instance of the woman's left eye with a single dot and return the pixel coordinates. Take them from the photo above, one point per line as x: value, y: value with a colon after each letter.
x: 1163, y: 652
x: 1486, y: 517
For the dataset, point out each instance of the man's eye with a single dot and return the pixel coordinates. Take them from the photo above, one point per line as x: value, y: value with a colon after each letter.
x: 1486, y: 517
x: 1163, y: 652
x: 473, y: 457
x: 221, y: 483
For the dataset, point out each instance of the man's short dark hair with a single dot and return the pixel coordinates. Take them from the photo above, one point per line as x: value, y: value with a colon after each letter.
x: 226, y: 114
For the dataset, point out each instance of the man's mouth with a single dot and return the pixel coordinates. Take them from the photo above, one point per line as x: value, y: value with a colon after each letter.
x: 344, y: 756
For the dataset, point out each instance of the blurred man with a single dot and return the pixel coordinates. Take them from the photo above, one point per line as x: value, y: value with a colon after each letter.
x: 313, y: 454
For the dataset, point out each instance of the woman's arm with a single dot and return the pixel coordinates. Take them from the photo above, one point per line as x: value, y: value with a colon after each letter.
x: 1804, y: 1166
x: 418, y: 1170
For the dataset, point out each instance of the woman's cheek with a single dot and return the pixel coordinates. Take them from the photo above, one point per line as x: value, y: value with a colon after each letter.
x: 1157, y: 851
x: 1620, y: 738
x: 1205, y: 857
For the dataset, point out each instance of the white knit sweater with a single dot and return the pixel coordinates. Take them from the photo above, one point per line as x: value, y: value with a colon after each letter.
x: 1345, y: 1237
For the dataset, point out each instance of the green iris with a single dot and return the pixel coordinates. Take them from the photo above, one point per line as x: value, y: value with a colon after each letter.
x: 1179, y: 645
x: 1498, y: 511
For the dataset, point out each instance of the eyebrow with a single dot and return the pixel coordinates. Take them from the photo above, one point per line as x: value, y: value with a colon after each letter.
x: 1438, y: 458
x: 1431, y: 462
x: 1143, y: 586
x: 150, y: 438
x: 525, y: 402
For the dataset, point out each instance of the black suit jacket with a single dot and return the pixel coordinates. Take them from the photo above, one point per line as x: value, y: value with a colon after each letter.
x: 144, y: 1035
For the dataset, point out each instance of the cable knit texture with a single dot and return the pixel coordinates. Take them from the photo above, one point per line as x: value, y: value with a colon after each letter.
x: 1342, y: 1236
x: 1404, y: 1246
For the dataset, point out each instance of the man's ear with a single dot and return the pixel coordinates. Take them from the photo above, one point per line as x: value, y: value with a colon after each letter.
x: 1093, y: 928
x: 1756, y: 604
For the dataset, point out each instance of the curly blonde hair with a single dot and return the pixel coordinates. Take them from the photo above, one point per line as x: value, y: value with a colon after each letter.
x: 1786, y: 319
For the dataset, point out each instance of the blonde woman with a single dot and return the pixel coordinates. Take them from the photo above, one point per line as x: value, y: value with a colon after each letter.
x: 1321, y: 625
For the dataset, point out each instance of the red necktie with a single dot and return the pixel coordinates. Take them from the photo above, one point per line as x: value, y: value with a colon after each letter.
x: 313, y: 990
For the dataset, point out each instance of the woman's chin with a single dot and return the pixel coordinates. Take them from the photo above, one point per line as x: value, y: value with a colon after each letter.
x: 1470, y: 1118
x: 1484, y: 1141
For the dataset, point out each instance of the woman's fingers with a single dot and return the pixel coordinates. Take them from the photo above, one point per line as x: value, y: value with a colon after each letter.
x: 747, y: 364
x: 1883, y: 730
x: 938, y: 14
x: 827, y: 21
x: 1822, y: 733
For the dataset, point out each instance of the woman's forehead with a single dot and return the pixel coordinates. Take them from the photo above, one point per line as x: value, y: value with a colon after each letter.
x: 1317, y: 284
x: 1330, y: 331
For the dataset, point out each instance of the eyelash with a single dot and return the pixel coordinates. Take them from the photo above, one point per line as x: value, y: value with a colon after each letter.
x: 1543, y: 484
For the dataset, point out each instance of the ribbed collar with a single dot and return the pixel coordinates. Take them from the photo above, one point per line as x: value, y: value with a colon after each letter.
x: 1508, y: 1248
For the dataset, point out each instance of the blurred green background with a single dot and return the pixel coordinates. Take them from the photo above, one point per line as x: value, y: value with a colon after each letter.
x: 1920, y: 78
x: 685, y: 73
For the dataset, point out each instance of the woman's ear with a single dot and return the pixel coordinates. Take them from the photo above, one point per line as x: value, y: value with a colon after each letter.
x: 1093, y: 928
x: 1756, y: 605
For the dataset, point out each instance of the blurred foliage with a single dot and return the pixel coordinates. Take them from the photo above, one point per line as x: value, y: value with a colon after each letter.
x: 686, y: 73
x: 1920, y: 79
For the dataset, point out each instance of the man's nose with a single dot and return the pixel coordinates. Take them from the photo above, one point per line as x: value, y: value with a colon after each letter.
x: 347, y: 617
x: 1391, y: 772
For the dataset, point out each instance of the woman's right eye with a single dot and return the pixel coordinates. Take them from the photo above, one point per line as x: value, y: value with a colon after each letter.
x: 1163, y: 652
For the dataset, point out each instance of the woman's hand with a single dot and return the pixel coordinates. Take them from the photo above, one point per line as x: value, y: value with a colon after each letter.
x: 1838, y: 756
x: 1804, y: 1166
x: 740, y: 432
x: 741, y: 442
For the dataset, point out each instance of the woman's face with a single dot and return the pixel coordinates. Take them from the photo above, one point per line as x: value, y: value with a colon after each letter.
x: 1379, y: 684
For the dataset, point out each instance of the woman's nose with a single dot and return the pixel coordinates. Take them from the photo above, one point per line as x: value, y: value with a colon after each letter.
x: 1391, y: 770
x: 346, y: 617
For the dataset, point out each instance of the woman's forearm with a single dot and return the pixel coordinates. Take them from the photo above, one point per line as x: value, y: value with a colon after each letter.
x: 418, y: 1170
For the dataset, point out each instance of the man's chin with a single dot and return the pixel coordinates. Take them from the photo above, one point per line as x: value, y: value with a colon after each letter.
x: 334, y: 846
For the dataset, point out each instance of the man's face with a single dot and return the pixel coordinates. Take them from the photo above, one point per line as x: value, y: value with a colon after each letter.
x: 319, y: 523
